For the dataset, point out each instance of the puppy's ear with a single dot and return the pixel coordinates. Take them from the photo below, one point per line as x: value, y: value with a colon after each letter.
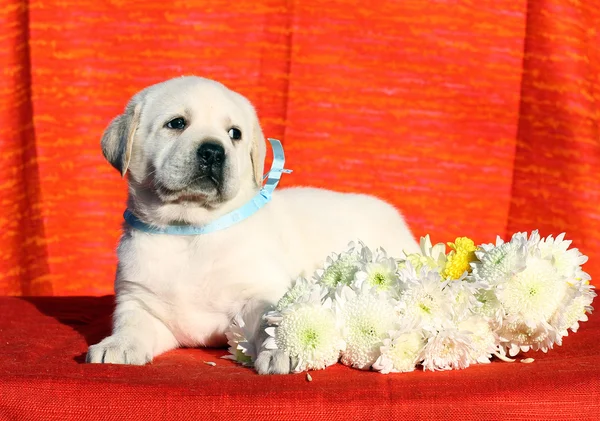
x: 117, y: 140
x: 258, y: 151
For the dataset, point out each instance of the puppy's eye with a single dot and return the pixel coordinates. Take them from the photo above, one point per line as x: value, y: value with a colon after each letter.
x: 178, y: 123
x: 235, y: 134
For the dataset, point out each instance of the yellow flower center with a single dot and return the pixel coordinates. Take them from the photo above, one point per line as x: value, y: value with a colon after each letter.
x: 458, y: 260
x: 310, y: 338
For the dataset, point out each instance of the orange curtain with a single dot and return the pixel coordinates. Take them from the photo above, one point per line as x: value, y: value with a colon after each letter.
x: 474, y: 118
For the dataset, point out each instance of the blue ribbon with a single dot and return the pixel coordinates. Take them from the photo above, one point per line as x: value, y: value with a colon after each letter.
x: 254, y: 205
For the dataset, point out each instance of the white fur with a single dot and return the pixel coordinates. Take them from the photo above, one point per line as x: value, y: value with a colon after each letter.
x: 182, y: 291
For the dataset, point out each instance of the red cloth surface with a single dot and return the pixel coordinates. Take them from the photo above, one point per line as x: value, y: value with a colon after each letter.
x: 43, y: 377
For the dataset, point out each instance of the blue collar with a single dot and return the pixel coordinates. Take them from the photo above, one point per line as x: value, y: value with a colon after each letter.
x: 257, y: 202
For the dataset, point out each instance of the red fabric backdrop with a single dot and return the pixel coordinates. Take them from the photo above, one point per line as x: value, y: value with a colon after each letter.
x: 474, y: 118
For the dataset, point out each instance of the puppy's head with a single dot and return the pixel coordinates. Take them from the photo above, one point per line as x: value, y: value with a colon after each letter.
x: 187, y: 142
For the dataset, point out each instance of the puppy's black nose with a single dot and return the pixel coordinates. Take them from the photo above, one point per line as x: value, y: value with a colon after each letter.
x: 211, y: 154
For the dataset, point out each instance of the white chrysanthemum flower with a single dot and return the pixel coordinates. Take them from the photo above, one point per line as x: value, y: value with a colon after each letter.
x: 449, y: 349
x: 401, y: 352
x: 483, y: 340
x: 367, y: 317
x: 239, y: 339
x: 516, y: 336
x: 580, y: 275
x: 500, y: 262
x: 423, y: 300
x: 380, y: 274
x: 531, y: 242
x: 434, y: 257
x: 576, y: 304
x: 528, y: 278
x: 303, y: 290
x: 309, y: 334
x: 365, y: 253
x: 339, y: 269
x: 533, y: 294
x: 566, y: 261
x: 490, y: 307
x: 529, y: 298
x: 465, y: 297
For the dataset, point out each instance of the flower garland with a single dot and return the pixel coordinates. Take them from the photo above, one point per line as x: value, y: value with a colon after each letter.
x: 441, y: 310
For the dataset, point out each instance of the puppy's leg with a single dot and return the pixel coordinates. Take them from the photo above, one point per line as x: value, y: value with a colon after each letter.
x: 137, y: 337
x: 272, y: 361
x: 268, y: 361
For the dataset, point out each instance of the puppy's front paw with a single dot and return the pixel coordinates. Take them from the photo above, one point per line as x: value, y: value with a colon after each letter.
x: 118, y: 350
x: 273, y: 361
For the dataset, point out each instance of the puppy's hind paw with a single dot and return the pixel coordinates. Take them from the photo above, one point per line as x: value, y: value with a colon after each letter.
x: 273, y: 362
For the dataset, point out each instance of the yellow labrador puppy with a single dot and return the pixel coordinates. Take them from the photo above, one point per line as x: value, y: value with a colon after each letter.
x: 194, y: 151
